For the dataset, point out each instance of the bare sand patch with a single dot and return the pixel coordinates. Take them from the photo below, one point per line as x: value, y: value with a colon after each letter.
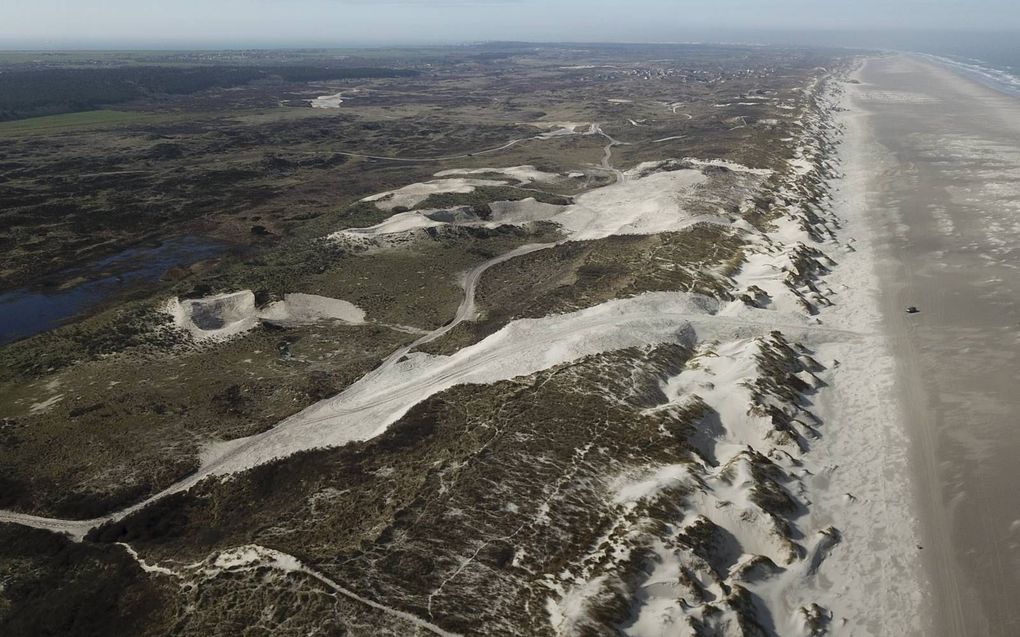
x: 227, y: 315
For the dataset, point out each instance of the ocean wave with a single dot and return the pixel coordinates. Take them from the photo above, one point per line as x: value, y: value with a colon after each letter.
x: 995, y: 78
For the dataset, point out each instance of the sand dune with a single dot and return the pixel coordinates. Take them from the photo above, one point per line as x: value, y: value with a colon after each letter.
x: 224, y: 316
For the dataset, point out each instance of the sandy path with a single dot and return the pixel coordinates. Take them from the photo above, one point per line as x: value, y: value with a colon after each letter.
x: 467, y: 309
x: 945, y: 198
x: 607, y: 153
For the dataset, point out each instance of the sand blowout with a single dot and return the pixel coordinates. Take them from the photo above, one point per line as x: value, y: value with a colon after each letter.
x: 222, y: 316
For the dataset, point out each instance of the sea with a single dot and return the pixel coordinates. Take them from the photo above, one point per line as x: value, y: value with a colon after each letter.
x: 1002, y: 80
x: 991, y: 58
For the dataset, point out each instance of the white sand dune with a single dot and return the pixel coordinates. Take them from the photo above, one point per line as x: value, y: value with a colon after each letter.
x: 650, y: 198
x: 327, y: 101
x: 309, y: 308
x: 458, y: 181
x: 223, y: 316
x: 637, y: 204
x: 523, y: 211
x: 560, y: 128
x: 215, y: 317
x: 404, y: 224
x: 413, y: 194
x: 368, y: 407
x: 521, y: 174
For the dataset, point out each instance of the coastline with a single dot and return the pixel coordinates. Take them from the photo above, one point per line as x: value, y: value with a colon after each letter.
x: 980, y: 72
x: 944, y: 148
x: 867, y: 441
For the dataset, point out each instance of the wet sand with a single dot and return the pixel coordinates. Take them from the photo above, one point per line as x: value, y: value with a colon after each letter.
x: 944, y: 201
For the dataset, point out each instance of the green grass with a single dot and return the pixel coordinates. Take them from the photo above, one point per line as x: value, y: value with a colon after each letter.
x: 54, y: 123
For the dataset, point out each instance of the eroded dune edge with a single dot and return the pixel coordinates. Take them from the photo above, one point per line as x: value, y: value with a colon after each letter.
x: 667, y: 463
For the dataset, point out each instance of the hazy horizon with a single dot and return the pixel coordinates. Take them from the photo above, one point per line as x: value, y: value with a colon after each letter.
x: 119, y: 24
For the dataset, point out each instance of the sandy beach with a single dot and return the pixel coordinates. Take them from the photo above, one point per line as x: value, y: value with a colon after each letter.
x: 941, y: 155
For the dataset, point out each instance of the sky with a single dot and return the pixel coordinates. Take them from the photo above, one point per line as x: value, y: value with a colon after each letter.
x: 313, y: 23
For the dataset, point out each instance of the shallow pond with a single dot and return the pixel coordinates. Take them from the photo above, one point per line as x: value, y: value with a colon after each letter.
x: 28, y: 311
